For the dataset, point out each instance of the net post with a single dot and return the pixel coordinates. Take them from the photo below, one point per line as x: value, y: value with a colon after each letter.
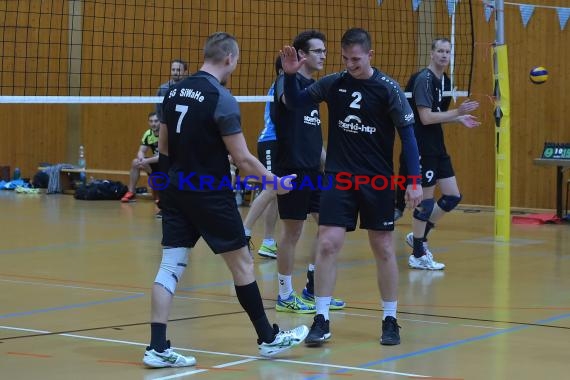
x: 75, y: 37
x: 502, y: 130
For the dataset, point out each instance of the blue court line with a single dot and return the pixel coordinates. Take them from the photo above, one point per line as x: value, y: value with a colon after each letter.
x: 272, y: 276
x: 448, y: 345
x: 73, y: 306
x: 70, y: 245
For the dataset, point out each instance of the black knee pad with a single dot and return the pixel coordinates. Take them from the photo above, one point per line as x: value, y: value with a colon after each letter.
x: 448, y: 202
x: 424, y: 209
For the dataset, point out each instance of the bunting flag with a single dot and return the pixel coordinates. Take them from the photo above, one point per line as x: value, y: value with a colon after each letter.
x: 451, y: 7
x: 488, y: 12
x: 563, y: 14
x: 526, y: 12
x: 416, y: 4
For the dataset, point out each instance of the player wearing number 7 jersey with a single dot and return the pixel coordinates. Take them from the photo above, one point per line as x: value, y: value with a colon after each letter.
x: 430, y: 111
x: 200, y: 125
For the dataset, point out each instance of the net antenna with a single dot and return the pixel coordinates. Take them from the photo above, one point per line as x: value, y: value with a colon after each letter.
x: 452, y: 57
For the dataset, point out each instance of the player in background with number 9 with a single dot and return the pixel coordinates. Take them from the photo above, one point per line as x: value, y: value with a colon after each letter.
x: 430, y: 111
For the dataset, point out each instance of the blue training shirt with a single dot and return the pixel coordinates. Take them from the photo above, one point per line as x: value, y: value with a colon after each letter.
x: 268, y: 132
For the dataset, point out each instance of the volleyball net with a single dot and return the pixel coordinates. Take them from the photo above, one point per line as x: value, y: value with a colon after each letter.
x: 119, y: 51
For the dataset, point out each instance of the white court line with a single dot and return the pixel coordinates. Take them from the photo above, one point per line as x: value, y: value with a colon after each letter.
x: 188, y: 373
x: 422, y: 321
x: 22, y: 329
x: 222, y: 301
x: 69, y: 286
x: 360, y: 369
x: 251, y: 358
x: 234, y: 363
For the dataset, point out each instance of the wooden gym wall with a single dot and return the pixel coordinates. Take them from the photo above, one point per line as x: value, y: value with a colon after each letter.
x: 111, y: 133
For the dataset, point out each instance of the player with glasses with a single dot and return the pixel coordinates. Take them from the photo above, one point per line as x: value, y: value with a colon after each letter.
x: 319, y: 51
x: 300, y: 151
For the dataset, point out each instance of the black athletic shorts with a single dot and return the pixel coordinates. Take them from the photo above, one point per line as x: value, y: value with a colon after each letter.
x: 305, y: 198
x: 266, y: 152
x: 341, y: 207
x: 434, y: 168
x: 212, y: 215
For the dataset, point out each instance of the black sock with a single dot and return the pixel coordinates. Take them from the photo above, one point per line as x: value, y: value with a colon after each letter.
x: 418, y: 247
x: 310, y: 282
x: 429, y: 226
x: 158, y: 337
x: 250, y: 299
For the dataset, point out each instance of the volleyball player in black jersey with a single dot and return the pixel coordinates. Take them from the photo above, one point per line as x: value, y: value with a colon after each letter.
x: 431, y: 110
x: 299, y: 151
x: 365, y: 108
x: 200, y: 125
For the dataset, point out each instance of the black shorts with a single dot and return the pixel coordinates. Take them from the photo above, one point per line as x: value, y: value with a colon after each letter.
x: 266, y: 152
x: 154, y: 168
x: 305, y: 198
x: 189, y: 215
x: 341, y: 207
x: 434, y: 168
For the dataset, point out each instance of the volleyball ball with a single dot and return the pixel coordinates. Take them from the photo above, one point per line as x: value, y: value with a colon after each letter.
x: 538, y: 75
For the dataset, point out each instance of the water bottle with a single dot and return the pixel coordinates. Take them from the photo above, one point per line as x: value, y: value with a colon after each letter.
x: 17, y: 174
x: 81, y: 163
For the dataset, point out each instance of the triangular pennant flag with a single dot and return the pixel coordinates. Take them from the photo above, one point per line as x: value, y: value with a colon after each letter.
x: 416, y: 4
x: 526, y: 12
x: 563, y: 14
x: 451, y: 7
x: 488, y: 12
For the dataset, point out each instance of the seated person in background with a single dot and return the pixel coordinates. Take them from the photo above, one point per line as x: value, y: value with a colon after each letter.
x: 150, y: 164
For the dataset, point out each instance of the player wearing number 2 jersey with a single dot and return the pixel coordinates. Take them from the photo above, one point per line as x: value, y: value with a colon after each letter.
x: 365, y: 109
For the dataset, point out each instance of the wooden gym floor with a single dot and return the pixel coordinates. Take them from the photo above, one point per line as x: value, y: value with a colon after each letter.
x: 75, y: 279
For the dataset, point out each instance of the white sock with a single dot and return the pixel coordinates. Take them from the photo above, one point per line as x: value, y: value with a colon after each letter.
x: 285, y: 286
x: 247, y: 231
x: 322, y: 305
x: 311, y: 267
x: 390, y: 308
x: 269, y: 242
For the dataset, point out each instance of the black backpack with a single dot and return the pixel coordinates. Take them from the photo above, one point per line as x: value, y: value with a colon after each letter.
x: 40, y: 180
x: 101, y: 190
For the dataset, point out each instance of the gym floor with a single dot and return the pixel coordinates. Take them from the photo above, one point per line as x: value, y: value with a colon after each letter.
x: 75, y: 301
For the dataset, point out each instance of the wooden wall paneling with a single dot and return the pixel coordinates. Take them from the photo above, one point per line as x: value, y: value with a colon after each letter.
x: 473, y: 150
x: 539, y: 112
x: 111, y: 132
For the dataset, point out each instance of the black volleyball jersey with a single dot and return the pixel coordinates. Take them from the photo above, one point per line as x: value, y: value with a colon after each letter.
x: 299, y: 133
x: 198, y: 112
x: 363, y: 114
x: 427, y: 91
